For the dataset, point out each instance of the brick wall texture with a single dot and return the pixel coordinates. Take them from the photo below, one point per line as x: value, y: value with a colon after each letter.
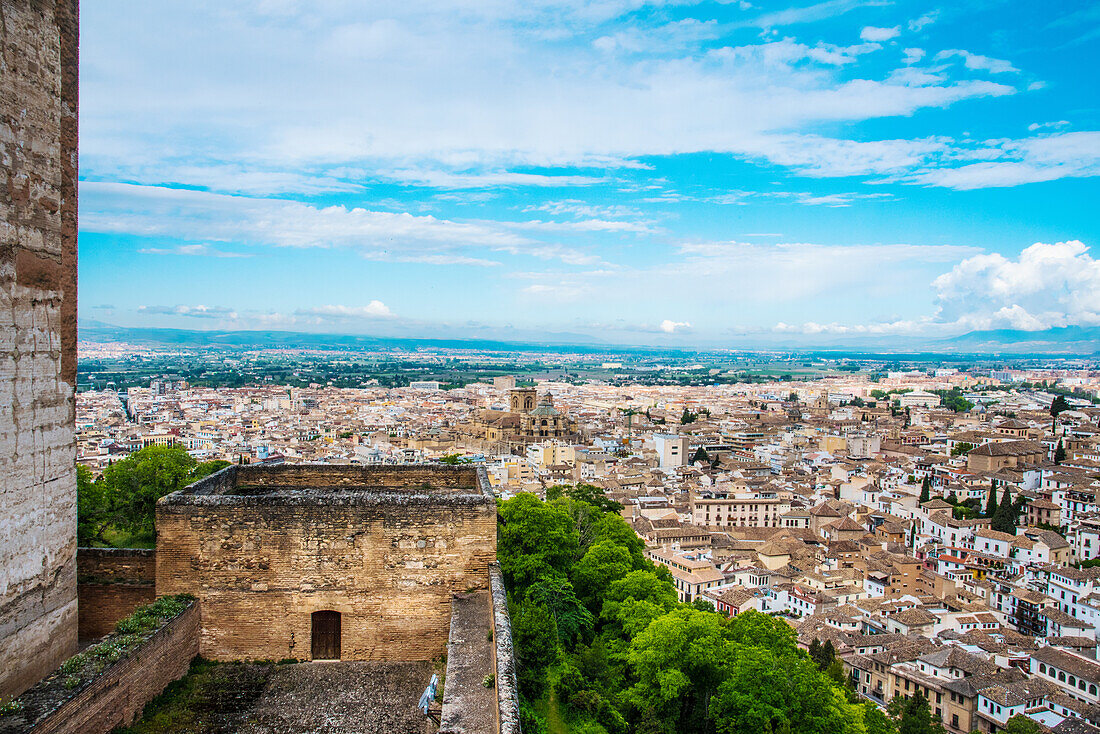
x: 120, y: 693
x: 389, y: 568
x: 111, y: 583
x: 119, y: 565
x: 38, y: 160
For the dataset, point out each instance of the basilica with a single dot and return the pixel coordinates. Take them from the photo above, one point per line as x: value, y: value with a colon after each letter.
x: 529, y: 419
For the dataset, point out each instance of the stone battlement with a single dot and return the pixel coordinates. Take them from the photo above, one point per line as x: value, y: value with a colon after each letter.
x: 321, y: 484
x: 344, y: 562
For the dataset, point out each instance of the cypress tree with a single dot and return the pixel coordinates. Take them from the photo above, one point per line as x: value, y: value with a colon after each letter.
x: 991, y: 503
x: 1060, y: 453
x: 925, y: 490
x: 828, y: 654
x: 1004, y: 519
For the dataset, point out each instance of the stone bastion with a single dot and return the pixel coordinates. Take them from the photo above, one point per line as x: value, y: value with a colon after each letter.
x: 328, y: 562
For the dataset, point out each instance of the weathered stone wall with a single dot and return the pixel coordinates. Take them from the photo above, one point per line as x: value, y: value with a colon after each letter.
x: 116, y: 565
x: 117, y: 695
x: 38, y: 159
x: 507, y: 685
x: 387, y: 561
x: 111, y: 583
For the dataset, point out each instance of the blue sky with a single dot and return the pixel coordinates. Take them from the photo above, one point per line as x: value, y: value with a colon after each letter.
x: 639, y: 172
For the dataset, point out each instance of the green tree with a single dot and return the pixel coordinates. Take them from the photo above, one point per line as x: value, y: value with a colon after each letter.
x: 767, y: 693
x: 815, y: 651
x: 678, y: 661
x: 1020, y: 724
x: 688, y: 417
x: 535, y: 636
x: 535, y: 539
x: 962, y: 448
x: 876, y: 721
x: 991, y: 502
x: 1058, y: 405
x: 1060, y: 452
x: 613, y: 528
x: 593, y: 495
x: 1004, y: 519
x: 454, y: 459
x: 207, y: 468
x: 133, y: 485
x: 752, y: 628
x: 604, y: 563
x: 572, y: 619
x: 700, y: 456
x: 925, y: 490
x: 914, y: 715
x: 92, y: 508
x: 637, y: 599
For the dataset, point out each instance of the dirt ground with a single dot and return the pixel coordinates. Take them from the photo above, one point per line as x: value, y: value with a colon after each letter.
x: 341, y: 698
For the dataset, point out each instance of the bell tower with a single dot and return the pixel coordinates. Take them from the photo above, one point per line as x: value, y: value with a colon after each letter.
x: 522, y: 399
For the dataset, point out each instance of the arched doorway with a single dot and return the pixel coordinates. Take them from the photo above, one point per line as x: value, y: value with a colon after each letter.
x: 326, y: 635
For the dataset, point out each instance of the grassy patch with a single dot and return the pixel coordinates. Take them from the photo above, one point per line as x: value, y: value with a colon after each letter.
x: 212, y: 698
x: 555, y: 723
x: 130, y: 632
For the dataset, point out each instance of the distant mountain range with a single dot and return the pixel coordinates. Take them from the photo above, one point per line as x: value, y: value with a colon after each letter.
x: 1068, y: 340
x: 1062, y: 339
x: 98, y: 331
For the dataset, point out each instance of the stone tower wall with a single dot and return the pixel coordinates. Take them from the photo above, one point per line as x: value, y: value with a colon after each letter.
x: 260, y: 570
x: 38, y: 210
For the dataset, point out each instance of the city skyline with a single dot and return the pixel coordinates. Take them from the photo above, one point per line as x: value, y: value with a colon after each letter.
x: 637, y: 173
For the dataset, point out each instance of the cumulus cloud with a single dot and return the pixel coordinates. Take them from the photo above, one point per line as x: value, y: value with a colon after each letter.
x: 1048, y: 285
x: 669, y: 326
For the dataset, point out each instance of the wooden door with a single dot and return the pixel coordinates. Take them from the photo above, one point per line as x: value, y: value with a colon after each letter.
x: 326, y: 635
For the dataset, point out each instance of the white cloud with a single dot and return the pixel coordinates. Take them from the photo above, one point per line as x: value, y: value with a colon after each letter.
x: 199, y: 312
x: 197, y: 215
x: 978, y: 62
x: 1046, y: 125
x: 669, y: 326
x: 192, y: 250
x: 813, y: 13
x: 579, y: 208
x: 900, y: 327
x: 679, y: 35
x: 495, y: 179
x: 373, y: 310
x: 1029, y: 160
x: 1047, y: 285
x: 917, y: 24
x: 458, y: 101
x: 876, y: 35
x: 913, y: 55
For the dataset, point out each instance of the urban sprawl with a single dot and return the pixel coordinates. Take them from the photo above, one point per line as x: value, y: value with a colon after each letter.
x: 938, y: 527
